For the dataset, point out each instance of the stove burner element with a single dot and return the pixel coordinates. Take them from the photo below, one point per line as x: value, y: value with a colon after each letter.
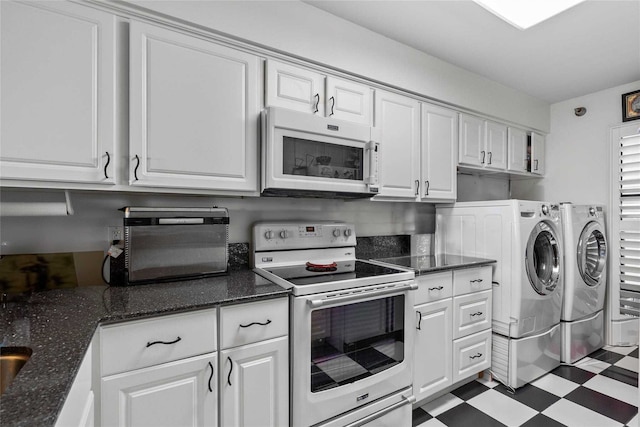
x: 319, y: 268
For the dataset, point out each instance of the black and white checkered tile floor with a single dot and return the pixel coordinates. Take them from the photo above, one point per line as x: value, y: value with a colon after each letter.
x: 600, y: 390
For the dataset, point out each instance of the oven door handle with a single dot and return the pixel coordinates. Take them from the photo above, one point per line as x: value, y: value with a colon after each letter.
x: 315, y: 303
x: 405, y: 401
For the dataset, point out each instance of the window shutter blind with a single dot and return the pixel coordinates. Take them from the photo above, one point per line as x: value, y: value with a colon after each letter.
x: 629, y: 239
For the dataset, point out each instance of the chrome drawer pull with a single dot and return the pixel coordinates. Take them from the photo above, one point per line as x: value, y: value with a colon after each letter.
x: 476, y: 356
x: 438, y: 288
x: 475, y: 281
x: 230, y: 370
x: 478, y: 313
x: 419, y: 327
x: 256, y: 323
x: 150, y: 343
x: 210, y: 377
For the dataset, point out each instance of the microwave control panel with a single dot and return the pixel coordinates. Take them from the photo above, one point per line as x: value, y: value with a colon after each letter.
x: 295, y: 235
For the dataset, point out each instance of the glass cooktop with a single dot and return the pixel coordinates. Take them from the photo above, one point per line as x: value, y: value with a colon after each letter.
x: 339, y: 271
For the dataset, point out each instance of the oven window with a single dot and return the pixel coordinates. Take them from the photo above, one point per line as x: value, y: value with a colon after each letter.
x: 355, y: 341
x: 321, y: 159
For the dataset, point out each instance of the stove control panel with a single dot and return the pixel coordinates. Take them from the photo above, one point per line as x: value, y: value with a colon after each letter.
x: 298, y: 235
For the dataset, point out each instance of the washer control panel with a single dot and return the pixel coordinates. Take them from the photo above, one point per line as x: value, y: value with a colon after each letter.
x: 295, y: 235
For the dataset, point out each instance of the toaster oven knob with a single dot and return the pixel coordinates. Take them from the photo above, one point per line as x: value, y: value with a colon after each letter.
x: 284, y: 234
x: 347, y: 232
x: 336, y: 232
x: 268, y: 235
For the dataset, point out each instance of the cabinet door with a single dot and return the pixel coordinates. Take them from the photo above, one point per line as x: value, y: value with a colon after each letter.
x: 254, y: 384
x: 439, y: 153
x: 398, y: 120
x: 537, y: 154
x: 517, y: 150
x: 182, y: 393
x: 194, y: 112
x: 471, y: 150
x: 348, y: 100
x: 57, y: 84
x: 295, y: 88
x: 432, y: 362
x: 496, y: 145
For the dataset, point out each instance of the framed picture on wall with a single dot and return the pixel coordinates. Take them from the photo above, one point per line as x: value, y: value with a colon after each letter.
x: 631, y: 106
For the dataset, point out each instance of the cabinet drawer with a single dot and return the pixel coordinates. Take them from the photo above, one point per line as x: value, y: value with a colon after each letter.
x: 142, y: 343
x: 471, y: 355
x: 471, y: 313
x: 471, y: 280
x: 247, y: 323
x: 433, y: 287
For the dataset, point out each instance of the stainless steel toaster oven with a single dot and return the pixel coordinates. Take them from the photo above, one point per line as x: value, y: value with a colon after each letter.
x: 170, y: 244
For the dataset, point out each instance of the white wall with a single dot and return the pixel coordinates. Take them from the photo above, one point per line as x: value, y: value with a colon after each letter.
x: 86, y: 230
x: 577, y: 150
x: 304, y: 31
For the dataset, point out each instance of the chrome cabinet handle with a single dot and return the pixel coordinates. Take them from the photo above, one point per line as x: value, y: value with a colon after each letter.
x: 150, y: 343
x: 489, y: 158
x: 482, y: 161
x: 478, y: 313
x: 230, y: 370
x: 135, y: 171
x: 475, y: 356
x: 333, y: 103
x: 317, y: 97
x: 419, y: 326
x: 210, y: 377
x: 417, y: 187
x: 475, y: 281
x: 535, y: 162
x: 438, y: 288
x: 106, y: 165
x: 426, y: 188
x: 256, y: 323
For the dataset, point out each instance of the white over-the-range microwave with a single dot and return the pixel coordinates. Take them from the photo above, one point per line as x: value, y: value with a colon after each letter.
x: 310, y: 156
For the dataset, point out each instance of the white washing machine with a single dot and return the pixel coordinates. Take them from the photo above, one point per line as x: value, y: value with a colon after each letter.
x: 585, y: 251
x: 524, y: 237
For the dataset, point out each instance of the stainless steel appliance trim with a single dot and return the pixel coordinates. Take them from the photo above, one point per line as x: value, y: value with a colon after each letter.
x: 359, y: 294
x: 406, y: 401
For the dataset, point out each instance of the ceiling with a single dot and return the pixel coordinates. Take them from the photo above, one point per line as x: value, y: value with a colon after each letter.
x: 592, y: 46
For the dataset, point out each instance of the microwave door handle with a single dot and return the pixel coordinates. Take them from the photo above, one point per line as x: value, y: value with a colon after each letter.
x: 315, y: 303
x: 373, y: 148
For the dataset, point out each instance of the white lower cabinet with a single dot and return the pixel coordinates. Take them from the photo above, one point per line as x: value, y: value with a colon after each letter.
x: 254, y: 386
x: 432, y: 361
x: 180, y: 393
x: 453, y: 329
x: 79, y: 406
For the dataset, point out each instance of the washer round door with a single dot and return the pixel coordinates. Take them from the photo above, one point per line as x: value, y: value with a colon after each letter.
x: 543, y: 259
x: 591, y: 254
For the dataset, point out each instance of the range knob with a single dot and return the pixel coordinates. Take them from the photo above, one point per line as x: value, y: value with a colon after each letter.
x: 268, y: 235
x: 336, y: 232
x: 284, y: 234
x: 592, y: 211
x: 348, y: 232
x: 545, y: 210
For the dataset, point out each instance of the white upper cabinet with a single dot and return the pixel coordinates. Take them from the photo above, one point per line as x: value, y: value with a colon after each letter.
x: 483, y: 143
x: 438, y: 153
x: 300, y: 89
x: 537, y: 154
x: 295, y: 88
x: 194, y: 112
x: 517, y: 149
x: 347, y: 100
x: 58, y: 90
x: 496, y: 145
x: 397, y: 118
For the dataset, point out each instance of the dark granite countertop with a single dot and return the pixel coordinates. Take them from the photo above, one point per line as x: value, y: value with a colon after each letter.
x: 58, y: 326
x: 426, y: 264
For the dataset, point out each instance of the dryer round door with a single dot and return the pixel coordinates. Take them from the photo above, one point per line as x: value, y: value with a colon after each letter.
x: 591, y: 254
x: 543, y: 259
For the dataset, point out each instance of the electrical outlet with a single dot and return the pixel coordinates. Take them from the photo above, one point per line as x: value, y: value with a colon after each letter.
x: 115, y: 233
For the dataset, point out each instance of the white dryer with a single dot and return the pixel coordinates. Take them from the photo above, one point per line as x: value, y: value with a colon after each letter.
x: 582, y: 318
x: 525, y: 239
